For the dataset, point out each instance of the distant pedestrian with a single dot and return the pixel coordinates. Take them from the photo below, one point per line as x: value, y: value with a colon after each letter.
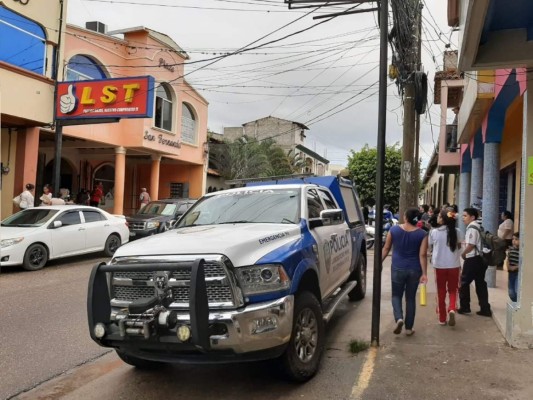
x: 144, y: 198
x: 96, y: 195
x: 505, y: 230
x: 446, y: 259
x: 513, y: 262
x: 474, y: 267
x: 409, y: 267
x: 46, y: 198
x: 26, y: 197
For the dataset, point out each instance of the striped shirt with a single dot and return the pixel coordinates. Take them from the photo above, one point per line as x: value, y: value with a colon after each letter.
x: 513, y: 255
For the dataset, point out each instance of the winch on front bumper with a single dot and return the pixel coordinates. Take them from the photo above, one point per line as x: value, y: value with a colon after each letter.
x: 159, y: 328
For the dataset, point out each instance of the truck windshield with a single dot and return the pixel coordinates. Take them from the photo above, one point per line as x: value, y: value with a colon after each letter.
x: 30, y: 218
x: 159, y: 208
x: 276, y: 206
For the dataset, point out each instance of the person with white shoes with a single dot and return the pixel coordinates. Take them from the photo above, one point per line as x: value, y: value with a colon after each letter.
x: 446, y: 260
x: 409, y: 267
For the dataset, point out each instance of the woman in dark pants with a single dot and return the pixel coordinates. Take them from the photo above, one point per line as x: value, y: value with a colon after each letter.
x: 409, y: 267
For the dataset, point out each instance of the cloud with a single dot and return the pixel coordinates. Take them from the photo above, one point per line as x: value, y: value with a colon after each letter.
x: 324, y: 77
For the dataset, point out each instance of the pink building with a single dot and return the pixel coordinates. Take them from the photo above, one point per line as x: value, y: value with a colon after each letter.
x: 166, y: 153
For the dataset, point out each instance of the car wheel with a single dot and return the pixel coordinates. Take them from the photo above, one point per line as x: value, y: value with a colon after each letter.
x: 139, y: 362
x: 35, y: 258
x: 111, y: 245
x: 301, y: 359
x: 359, y: 275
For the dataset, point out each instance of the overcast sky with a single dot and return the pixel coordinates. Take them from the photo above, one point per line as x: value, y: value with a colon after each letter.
x: 325, y: 77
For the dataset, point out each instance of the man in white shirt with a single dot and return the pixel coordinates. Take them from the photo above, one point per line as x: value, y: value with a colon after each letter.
x: 474, y: 267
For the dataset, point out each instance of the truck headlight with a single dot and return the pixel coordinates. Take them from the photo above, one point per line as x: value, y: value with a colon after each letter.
x: 262, y: 278
x: 11, y: 242
x: 152, y: 224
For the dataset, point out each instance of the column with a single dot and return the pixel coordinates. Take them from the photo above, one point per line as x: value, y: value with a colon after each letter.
x: 120, y: 174
x: 476, y: 182
x: 464, y: 198
x: 491, y: 197
x: 519, y: 330
x: 154, y: 178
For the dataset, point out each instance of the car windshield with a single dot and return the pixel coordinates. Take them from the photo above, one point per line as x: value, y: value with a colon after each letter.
x: 276, y: 206
x: 159, y: 208
x: 30, y: 218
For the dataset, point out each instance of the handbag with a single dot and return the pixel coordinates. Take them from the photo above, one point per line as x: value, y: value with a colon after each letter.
x: 16, y: 200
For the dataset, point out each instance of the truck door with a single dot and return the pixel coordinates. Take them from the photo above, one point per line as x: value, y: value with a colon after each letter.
x: 325, y: 237
x: 340, y: 245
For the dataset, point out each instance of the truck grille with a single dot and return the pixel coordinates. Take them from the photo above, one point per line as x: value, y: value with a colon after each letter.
x: 128, y: 286
x: 136, y: 226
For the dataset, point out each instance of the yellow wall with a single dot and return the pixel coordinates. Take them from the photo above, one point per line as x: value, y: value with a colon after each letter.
x: 8, y: 180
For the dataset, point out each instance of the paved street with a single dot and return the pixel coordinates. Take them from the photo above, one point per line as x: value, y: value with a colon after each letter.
x: 44, y: 336
x: 44, y: 325
x: 45, y: 346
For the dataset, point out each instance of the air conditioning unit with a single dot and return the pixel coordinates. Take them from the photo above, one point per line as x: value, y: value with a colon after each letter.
x: 96, y: 26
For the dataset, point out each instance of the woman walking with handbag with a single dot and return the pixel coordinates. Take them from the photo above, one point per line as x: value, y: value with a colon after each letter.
x: 409, y: 267
x: 446, y: 259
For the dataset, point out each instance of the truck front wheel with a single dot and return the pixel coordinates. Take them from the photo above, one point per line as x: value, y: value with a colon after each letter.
x: 301, y: 359
x: 138, y: 362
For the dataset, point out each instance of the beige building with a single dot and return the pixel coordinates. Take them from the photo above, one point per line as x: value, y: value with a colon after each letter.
x: 289, y: 135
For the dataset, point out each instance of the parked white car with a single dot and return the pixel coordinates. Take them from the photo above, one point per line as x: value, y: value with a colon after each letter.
x: 33, y: 236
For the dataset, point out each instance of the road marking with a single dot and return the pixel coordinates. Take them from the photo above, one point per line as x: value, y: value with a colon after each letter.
x: 365, y: 375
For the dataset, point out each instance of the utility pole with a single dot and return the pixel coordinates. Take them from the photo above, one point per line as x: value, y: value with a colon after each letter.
x: 409, y: 168
x: 417, y: 118
x: 382, y: 7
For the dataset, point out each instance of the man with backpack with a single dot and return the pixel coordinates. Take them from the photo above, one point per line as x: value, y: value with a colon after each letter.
x: 474, y: 267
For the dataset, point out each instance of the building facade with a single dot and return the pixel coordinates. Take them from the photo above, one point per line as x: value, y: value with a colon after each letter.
x: 495, y: 131
x: 289, y: 135
x: 33, y: 39
x: 167, y: 154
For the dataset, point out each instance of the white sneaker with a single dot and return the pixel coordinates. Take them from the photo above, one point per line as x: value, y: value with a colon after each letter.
x: 451, y: 318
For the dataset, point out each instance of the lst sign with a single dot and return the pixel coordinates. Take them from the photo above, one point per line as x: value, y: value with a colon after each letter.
x: 106, y: 98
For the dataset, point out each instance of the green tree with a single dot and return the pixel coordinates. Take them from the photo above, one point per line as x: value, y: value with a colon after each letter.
x: 242, y: 158
x: 249, y: 158
x: 362, y: 166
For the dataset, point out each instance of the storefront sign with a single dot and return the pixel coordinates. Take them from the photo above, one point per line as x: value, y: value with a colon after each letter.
x: 161, y: 140
x: 106, y: 98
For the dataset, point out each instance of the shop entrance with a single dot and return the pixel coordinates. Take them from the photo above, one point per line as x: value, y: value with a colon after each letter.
x: 105, y: 173
x: 66, y: 180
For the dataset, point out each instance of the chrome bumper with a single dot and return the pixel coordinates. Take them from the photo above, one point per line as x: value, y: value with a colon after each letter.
x: 258, y: 327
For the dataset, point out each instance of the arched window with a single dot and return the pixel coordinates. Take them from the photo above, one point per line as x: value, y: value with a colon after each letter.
x: 188, y: 125
x: 82, y: 68
x: 23, y: 42
x: 163, y: 108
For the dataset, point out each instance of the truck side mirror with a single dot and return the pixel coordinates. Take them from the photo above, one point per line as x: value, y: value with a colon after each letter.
x: 332, y: 217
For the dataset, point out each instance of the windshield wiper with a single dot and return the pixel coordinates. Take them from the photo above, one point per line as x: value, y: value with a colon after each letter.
x: 244, y: 221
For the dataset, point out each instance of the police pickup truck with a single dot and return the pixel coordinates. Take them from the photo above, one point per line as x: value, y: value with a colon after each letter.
x: 249, y: 273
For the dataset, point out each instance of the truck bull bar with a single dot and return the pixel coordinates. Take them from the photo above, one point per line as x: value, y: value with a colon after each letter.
x: 99, y: 301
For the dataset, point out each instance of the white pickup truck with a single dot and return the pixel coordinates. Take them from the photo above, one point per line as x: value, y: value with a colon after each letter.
x: 247, y: 274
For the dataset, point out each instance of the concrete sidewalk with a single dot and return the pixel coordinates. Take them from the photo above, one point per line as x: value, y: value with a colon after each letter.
x: 469, y: 361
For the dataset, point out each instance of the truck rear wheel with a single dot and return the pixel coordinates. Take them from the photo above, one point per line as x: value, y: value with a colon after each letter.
x: 359, y: 275
x: 301, y: 359
x: 139, y: 362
